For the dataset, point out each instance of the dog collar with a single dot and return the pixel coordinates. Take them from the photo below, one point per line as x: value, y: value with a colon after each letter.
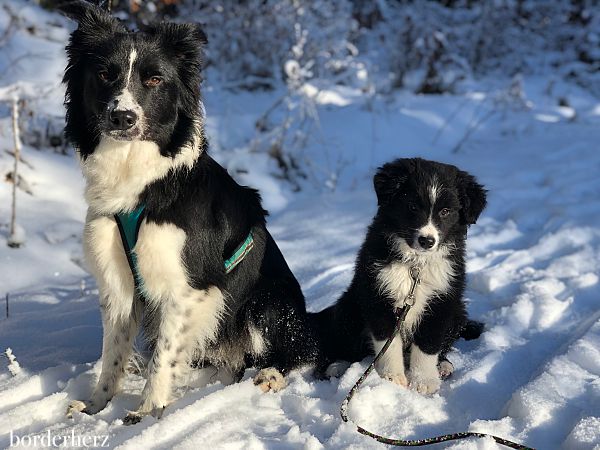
x: 129, y: 227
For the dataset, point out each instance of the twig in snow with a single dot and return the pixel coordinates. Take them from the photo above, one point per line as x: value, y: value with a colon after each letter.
x: 7, y: 305
x: 14, y: 240
x: 473, y: 127
x: 21, y: 160
x: 450, y: 118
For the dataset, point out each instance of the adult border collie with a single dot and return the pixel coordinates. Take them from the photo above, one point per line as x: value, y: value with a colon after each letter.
x: 424, y: 210
x: 133, y: 113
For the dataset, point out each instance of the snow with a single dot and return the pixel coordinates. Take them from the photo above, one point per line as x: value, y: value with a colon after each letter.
x: 533, y: 266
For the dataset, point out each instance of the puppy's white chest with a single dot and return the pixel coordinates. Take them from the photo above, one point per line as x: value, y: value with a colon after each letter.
x: 395, y: 281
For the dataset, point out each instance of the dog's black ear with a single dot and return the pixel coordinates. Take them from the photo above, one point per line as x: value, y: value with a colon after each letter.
x: 95, y: 27
x: 73, y: 9
x: 186, y: 40
x: 91, y: 18
x: 389, y: 179
x: 472, y: 196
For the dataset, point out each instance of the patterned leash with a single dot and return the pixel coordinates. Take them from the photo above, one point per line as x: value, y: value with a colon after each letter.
x: 401, y: 316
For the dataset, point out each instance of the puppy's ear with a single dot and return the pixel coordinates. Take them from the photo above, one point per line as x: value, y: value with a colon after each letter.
x: 389, y: 180
x: 472, y: 197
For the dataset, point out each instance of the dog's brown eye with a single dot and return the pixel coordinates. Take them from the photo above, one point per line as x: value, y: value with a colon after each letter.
x: 412, y: 207
x: 153, y: 81
x: 103, y: 75
x: 444, y: 212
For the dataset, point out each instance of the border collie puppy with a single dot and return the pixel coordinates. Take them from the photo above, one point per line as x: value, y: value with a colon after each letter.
x: 211, y: 284
x: 424, y: 211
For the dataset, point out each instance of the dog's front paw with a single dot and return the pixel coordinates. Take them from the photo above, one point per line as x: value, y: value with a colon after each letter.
x: 269, y: 379
x: 134, y: 417
x: 397, y: 378
x: 425, y: 385
x: 76, y: 406
x: 84, y: 407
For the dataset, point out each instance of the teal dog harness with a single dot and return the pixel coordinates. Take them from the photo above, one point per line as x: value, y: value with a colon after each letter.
x: 129, y: 228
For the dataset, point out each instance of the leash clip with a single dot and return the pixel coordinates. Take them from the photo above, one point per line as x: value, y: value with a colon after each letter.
x: 414, y: 274
x: 415, y: 271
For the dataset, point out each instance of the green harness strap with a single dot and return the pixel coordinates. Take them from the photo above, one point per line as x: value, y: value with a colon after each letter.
x: 240, y: 253
x: 129, y: 227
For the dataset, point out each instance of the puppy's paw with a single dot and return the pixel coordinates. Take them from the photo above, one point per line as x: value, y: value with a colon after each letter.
x: 269, y: 379
x: 425, y: 385
x: 336, y: 369
x: 397, y: 378
x: 445, y: 369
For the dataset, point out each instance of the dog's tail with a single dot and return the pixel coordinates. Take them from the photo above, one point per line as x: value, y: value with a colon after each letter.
x: 472, y: 330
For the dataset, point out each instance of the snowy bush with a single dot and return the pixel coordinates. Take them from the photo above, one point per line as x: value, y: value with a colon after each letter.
x: 251, y: 43
x: 427, y: 47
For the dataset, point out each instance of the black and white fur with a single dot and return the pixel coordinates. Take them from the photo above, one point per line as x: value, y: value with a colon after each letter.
x: 424, y: 210
x: 133, y: 113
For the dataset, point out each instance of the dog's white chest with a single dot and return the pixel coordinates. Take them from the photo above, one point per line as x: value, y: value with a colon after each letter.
x: 118, y: 171
x: 159, y: 251
x: 395, y: 281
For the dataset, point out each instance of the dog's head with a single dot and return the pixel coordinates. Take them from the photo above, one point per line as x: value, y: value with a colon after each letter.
x: 426, y: 205
x: 125, y: 85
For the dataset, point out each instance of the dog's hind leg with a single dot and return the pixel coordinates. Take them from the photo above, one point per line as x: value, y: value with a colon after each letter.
x: 287, y: 339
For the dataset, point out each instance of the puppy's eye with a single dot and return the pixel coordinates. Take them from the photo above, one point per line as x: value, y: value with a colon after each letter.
x: 444, y: 212
x: 103, y: 75
x: 412, y: 207
x: 152, y: 81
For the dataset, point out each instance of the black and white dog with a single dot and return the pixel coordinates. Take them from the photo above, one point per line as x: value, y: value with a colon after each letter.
x: 424, y: 211
x: 133, y: 113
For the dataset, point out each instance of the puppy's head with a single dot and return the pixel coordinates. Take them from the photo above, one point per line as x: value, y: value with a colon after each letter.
x: 426, y: 205
x: 126, y: 85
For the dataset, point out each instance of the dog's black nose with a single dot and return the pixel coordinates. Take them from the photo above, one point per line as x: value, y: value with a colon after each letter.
x: 426, y: 242
x: 122, y: 119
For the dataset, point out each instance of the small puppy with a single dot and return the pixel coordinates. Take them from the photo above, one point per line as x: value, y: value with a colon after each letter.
x: 425, y: 208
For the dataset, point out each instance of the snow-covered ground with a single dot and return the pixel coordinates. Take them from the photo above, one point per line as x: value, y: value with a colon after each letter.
x: 534, y: 260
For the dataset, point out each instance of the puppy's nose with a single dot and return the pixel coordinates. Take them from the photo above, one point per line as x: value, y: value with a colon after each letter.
x: 122, y: 119
x: 426, y: 242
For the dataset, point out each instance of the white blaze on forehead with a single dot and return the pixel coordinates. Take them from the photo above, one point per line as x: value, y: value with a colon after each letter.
x: 125, y: 100
x: 434, y: 190
x: 132, y: 57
